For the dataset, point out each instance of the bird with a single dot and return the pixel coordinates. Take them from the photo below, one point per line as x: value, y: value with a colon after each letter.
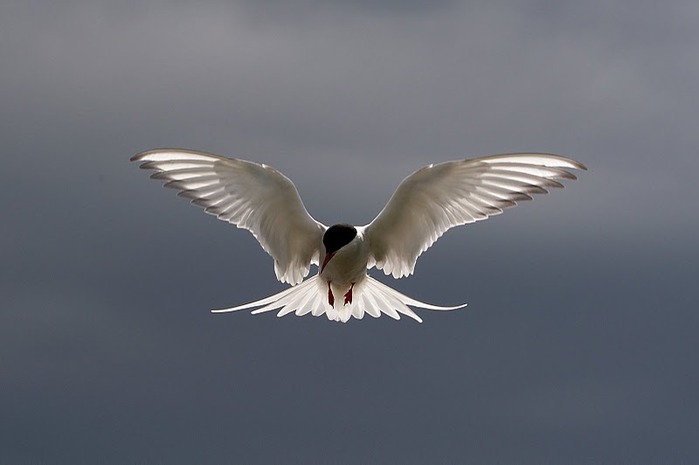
x: 424, y: 206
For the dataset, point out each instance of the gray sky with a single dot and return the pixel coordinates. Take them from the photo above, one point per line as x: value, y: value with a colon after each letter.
x: 579, y: 342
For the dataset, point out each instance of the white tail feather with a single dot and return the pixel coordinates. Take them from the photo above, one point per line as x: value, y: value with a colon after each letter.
x: 369, y: 296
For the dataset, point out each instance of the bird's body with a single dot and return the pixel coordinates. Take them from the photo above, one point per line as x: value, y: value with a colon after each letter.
x: 426, y: 204
x: 345, y: 267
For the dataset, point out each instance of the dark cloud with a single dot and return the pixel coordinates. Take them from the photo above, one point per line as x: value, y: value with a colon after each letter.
x: 579, y: 342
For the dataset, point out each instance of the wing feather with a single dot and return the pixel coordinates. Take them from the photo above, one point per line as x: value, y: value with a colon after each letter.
x: 441, y: 196
x: 249, y: 195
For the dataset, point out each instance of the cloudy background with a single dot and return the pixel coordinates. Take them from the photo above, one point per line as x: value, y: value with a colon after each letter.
x: 580, y: 341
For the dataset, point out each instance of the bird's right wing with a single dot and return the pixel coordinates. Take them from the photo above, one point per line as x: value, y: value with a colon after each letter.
x: 438, y: 197
x: 251, y: 196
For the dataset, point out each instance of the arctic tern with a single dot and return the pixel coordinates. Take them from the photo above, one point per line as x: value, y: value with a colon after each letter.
x: 425, y: 205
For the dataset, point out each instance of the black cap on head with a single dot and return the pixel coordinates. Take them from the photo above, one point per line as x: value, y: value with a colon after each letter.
x: 338, y: 236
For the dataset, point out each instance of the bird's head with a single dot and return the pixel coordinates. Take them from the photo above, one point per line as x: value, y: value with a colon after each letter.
x: 336, y: 237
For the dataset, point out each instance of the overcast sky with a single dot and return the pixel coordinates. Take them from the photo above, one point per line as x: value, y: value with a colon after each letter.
x: 579, y: 343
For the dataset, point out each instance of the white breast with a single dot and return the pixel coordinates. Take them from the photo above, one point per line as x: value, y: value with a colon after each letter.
x: 348, y: 265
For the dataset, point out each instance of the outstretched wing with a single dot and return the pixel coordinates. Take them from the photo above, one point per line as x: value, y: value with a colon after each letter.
x: 248, y: 195
x: 438, y: 197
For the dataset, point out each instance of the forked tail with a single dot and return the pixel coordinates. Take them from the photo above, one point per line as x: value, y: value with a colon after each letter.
x: 370, y: 297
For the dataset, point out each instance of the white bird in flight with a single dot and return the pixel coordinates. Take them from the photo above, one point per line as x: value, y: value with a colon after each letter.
x: 425, y: 205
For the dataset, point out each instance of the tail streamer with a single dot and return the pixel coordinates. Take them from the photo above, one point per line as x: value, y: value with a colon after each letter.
x: 370, y: 297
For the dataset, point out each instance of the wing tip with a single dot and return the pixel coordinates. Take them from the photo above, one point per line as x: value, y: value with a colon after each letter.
x: 155, y: 154
x: 568, y: 162
x: 579, y: 165
x: 145, y: 154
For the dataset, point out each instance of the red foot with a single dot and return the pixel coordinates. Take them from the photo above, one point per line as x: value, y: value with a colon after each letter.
x: 348, y: 295
x: 331, y: 297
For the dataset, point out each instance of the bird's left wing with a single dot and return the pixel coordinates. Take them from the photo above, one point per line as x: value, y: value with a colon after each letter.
x: 251, y: 196
x: 438, y: 197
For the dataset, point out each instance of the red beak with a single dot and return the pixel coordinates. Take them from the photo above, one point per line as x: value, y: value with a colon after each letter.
x: 328, y: 256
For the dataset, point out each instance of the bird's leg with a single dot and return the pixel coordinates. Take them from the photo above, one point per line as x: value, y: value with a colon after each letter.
x: 348, y: 295
x: 331, y: 297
